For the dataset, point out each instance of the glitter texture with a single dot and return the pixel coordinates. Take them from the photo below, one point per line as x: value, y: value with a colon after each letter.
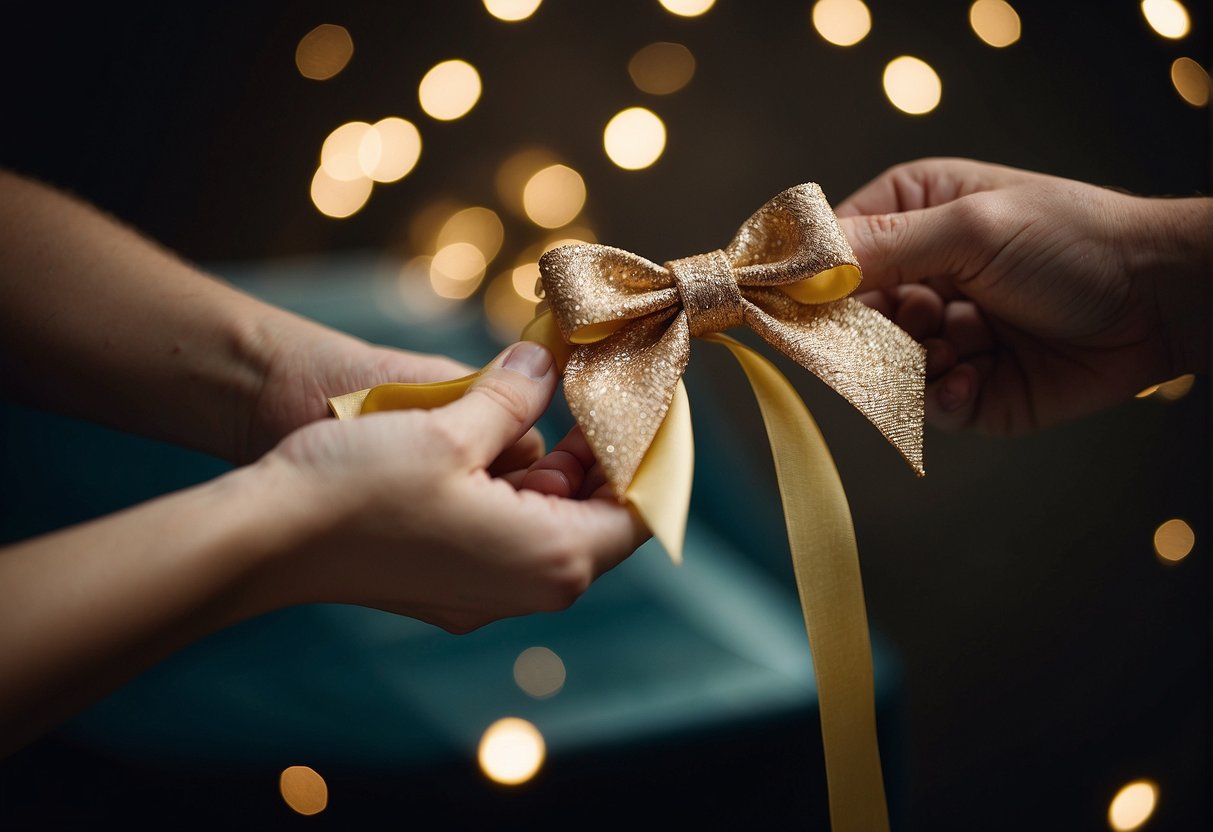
x: 631, y: 323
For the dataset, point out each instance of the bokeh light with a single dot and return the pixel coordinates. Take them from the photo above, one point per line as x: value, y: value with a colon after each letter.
x: 842, y: 22
x: 634, y: 138
x: 567, y: 237
x: 339, y: 198
x: 539, y: 672
x: 525, y: 280
x: 1133, y: 805
x: 350, y: 150
x: 456, y: 270
x: 995, y: 22
x: 304, y: 790
x: 554, y: 196
x: 662, y: 68
x: 1176, y: 388
x: 912, y: 85
x: 399, y: 149
x: 511, y: 751
x: 687, y: 8
x: 449, y: 90
x: 412, y: 296
x: 511, y: 11
x: 1191, y: 81
x: 514, y: 173
x: 507, y: 310
x: 476, y: 225
x: 324, y: 52
x: 1174, y: 540
x: 1167, y: 17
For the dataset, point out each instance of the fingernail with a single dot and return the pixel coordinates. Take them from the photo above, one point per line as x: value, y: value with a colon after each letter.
x: 529, y: 359
x: 955, y: 392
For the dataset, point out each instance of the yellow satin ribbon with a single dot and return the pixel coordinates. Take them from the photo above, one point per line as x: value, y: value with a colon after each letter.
x: 821, y: 539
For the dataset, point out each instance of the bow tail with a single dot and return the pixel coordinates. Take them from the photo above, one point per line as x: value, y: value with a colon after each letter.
x: 858, y: 352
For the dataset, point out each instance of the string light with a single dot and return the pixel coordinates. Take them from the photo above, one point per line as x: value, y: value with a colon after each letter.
x: 662, y: 68
x: 449, y: 90
x: 511, y: 751
x: 350, y: 150
x: 399, y: 149
x: 511, y: 11
x: 995, y: 22
x: 323, y: 52
x: 1133, y: 805
x: 1174, y: 540
x: 339, y: 198
x: 553, y: 196
x: 687, y: 8
x: 842, y: 22
x: 304, y: 790
x: 1167, y: 17
x: 456, y: 270
x: 538, y: 671
x: 514, y: 173
x: 912, y: 85
x: 634, y: 138
x: 1191, y: 81
x: 476, y: 225
x: 507, y: 310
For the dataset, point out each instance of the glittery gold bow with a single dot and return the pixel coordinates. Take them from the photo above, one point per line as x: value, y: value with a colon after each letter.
x: 786, y: 274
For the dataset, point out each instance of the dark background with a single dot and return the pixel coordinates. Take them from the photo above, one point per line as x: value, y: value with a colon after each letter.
x: 1049, y: 657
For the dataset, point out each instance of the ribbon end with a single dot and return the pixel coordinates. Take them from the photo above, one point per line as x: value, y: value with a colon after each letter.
x: 660, y: 493
x: 349, y: 405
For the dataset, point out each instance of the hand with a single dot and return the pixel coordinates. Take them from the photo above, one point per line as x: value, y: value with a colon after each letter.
x: 403, y: 514
x: 1038, y: 299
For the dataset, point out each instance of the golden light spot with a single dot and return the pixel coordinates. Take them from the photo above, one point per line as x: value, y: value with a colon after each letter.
x: 687, y: 8
x: 511, y: 751
x: 995, y: 22
x: 1176, y: 388
x: 516, y: 171
x: 507, y: 311
x: 413, y: 296
x: 554, y: 196
x: 399, y: 149
x: 350, y: 150
x: 303, y: 790
x: 525, y: 280
x: 569, y: 237
x: 449, y: 90
x: 1149, y: 391
x: 1167, y: 17
x: 539, y: 671
x: 511, y: 10
x: 842, y: 22
x: 662, y: 68
x: 427, y: 222
x: 634, y: 138
x: 1174, y: 540
x: 1191, y: 81
x: 339, y: 198
x: 456, y: 270
x: 1133, y: 805
x: 912, y: 85
x: 479, y: 226
x: 324, y: 52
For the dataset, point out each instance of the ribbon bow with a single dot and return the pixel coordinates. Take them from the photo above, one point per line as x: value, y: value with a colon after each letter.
x: 622, y: 328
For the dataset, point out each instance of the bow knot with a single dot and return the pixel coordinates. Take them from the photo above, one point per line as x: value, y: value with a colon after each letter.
x: 709, y: 292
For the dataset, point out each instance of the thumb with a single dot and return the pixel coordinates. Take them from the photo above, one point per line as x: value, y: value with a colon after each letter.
x: 502, y: 405
x: 910, y: 246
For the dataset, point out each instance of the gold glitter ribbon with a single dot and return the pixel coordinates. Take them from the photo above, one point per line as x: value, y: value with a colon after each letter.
x: 620, y: 326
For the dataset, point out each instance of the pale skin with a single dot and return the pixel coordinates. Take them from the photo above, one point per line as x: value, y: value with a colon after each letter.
x: 422, y: 513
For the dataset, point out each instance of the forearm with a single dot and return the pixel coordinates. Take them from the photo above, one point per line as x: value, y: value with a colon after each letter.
x: 98, y: 322
x: 84, y: 609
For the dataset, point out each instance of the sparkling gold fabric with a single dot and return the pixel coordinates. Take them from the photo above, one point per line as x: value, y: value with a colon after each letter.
x: 786, y: 274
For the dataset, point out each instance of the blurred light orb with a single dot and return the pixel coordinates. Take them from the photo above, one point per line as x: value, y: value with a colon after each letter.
x: 324, y: 52
x: 456, y: 270
x: 569, y: 237
x: 662, y: 68
x: 538, y: 671
x: 1167, y: 17
x: 634, y: 138
x: 554, y: 196
x: 1133, y: 805
x: 350, y: 150
x: 399, y: 149
x: 687, y: 8
x: 507, y: 311
x: 449, y: 90
x: 525, y: 280
x: 339, y: 198
x: 304, y: 790
x: 1174, y: 540
x: 514, y: 173
x: 511, y: 11
x: 1176, y: 388
x: 912, y: 85
x: 1191, y: 81
x: 476, y: 225
x: 842, y: 22
x: 995, y: 22
x: 511, y: 751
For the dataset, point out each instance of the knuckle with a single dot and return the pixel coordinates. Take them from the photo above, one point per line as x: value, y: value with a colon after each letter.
x: 568, y: 575
x: 980, y: 219
x: 447, y: 437
x: 512, y: 401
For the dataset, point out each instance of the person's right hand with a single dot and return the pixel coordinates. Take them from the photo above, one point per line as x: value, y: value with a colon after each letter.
x: 1039, y: 299
x: 399, y: 510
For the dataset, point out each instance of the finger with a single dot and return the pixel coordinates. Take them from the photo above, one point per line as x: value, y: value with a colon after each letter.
x: 881, y: 301
x: 519, y: 456
x: 941, y: 357
x: 503, y: 403
x: 953, y: 399
x: 920, y: 311
x: 967, y: 329
x: 611, y: 530
x: 562, y: 472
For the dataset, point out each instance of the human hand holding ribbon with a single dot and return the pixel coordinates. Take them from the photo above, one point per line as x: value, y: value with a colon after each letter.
x: 621, y: 328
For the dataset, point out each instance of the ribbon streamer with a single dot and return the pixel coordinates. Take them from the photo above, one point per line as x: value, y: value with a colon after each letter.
x: 620, y: 328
